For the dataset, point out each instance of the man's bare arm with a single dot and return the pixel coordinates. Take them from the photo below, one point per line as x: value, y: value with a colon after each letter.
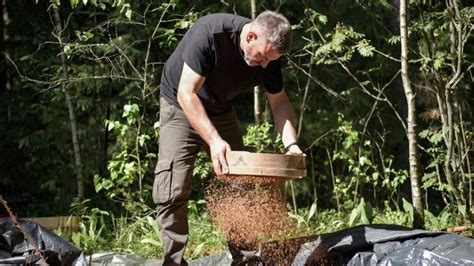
x: 189, y: 85
x: 284, y: 119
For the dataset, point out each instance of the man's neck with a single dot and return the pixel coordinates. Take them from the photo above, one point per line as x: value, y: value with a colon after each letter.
x: 243, y: 35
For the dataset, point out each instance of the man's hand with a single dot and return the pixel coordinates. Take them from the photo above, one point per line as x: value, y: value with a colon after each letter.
x: 219, y: 149
x: 294, y: 150
x: 189, y: 85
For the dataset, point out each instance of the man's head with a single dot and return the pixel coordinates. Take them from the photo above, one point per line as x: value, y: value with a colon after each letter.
x: 266, y: 39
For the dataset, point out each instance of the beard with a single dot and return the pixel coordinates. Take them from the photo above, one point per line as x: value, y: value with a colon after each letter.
x: 250, y: 62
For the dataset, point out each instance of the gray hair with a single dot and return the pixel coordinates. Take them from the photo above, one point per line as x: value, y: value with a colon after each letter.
x: 277, y: 28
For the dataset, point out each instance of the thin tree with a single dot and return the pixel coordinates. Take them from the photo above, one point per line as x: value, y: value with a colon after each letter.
x: 457, y: 158
x: 418, y: 217
x: 256, y: 90
x: 70, y: 106
x: 7, y: 55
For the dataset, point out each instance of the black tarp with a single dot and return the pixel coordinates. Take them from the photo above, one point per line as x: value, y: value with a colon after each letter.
x: 356, y: 246
x: 359, y: 246
x: 15, y: 250
x: 386, y: 245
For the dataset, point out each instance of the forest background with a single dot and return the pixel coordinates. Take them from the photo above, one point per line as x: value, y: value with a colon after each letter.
x: 79, y: 101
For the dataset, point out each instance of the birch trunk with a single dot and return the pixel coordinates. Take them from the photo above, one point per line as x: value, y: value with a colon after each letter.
x: 418, y: 217
x: 70, y: 107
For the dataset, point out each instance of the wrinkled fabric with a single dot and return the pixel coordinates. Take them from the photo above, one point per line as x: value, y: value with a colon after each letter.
x: 381, y: 245
x: 387, y: 245
x: 15, y: 250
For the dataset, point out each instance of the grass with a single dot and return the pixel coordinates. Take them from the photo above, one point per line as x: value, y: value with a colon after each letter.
x: 101, y: 231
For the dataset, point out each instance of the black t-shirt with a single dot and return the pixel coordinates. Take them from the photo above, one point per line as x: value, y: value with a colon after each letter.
x: 211, y: 48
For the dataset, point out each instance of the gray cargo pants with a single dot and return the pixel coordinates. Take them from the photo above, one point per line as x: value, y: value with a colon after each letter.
x: 179, y: 144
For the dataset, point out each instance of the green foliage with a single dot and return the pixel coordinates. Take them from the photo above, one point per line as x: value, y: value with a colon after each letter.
x: 363, y: 172
x: 442, y: 221
x: 363, y: 214
x: 364, y: 48
x: 203, y: 166
x: 408, y: 208
x: 204, y: 238
x: 390, y: 216
x: 357, y: 157
x: 127, y: 168
x: 120, y: 5
x: 329, y: 221
x: 115, y: 51
x: 310, y: 221
x: 320, y: 222
x: 393, y: 180
x: 432, y: 179
x: 136, y: 234
x: 337, y: 46
x: 103, y: 231
x: 261, y: 138
x: 445, y: 219
x: 91, y: 236
x: 311, y: 212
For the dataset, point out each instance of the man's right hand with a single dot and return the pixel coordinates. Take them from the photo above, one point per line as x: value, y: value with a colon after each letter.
x: 219, y: 149
x: 189, y: 85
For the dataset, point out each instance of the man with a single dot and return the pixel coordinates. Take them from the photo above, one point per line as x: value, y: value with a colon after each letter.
x: 221, y: 56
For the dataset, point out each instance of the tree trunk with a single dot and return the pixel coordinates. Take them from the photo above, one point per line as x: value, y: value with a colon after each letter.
x: 303, y: 104
x: 305, y: 95
x: 70, y: 107
x: 418, y: 217
x: 7, y: 56
x: 257, y: 110
x: 456, y: 162
x: 456, y: 157
x: 105, y: 145
x: 449, y: 166
x: 401, y: 151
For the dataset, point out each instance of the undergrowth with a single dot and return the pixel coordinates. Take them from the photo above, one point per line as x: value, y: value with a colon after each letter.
x: 100, y: 231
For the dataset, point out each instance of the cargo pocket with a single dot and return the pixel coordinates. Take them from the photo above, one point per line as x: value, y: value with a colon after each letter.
x: 163, y: 180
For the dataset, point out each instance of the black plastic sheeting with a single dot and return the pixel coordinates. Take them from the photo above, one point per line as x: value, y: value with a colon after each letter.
x: 386, y: 245
x: 15, y: 250
x: 364, y: 245
x: 357, y: 246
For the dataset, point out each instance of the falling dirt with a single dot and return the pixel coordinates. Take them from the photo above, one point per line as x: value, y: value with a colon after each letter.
x: 251, y: 211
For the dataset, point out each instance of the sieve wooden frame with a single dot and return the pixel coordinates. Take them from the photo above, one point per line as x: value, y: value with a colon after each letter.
x: 266, y: 164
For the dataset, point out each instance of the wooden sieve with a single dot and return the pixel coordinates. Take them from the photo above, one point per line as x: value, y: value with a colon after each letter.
x: 266, y: 167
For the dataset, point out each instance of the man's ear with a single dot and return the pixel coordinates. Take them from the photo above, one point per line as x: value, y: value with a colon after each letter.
x: 251, y: 36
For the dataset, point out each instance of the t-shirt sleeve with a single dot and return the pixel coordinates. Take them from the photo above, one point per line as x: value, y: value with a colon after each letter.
x: 198, y: 52
x: 272, y: 77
